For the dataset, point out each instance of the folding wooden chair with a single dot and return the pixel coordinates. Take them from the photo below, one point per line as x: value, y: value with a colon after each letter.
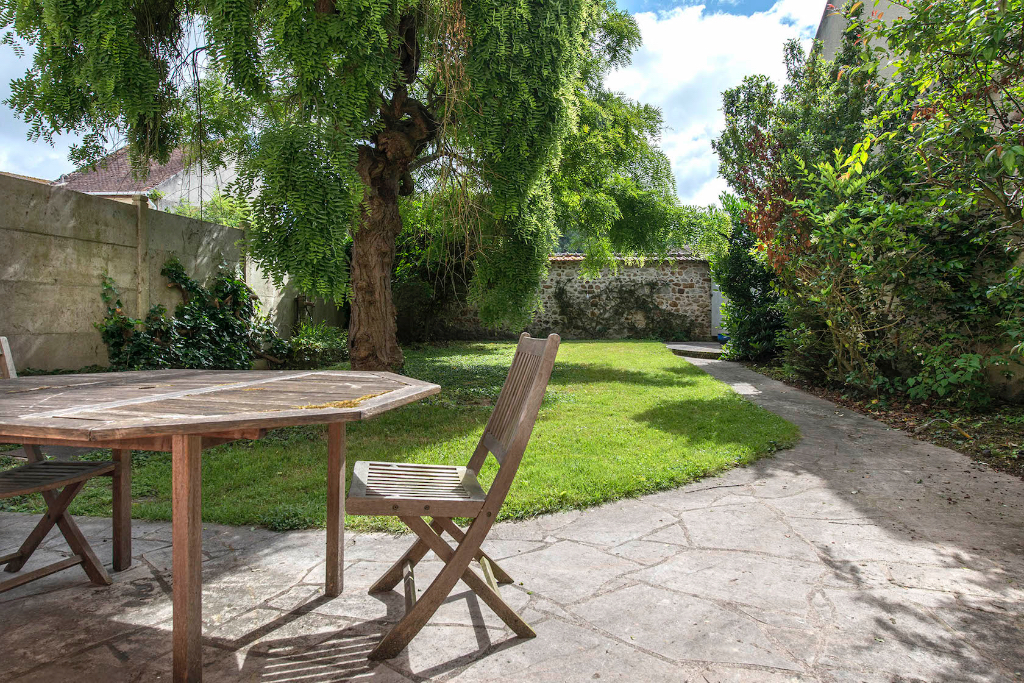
x: 412, y: 492
x: 59, y: 482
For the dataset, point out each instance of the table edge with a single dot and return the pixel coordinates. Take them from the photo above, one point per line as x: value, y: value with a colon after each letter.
x: 11, y: 431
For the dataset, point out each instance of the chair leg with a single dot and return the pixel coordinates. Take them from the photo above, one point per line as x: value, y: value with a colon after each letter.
x: 79, y: 546
x: 393, y: 576
x: 22, y: 579
x: 57, y: 514
x: 456, y: 567
x: 56, y: 506
x: 478, y: 585
x: 458, y: 534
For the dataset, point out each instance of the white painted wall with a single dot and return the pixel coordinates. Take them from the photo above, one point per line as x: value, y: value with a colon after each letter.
x: 833, y: 23
x: 193, y: 185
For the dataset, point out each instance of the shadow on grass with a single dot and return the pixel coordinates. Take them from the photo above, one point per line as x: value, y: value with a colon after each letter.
x: 490, y: 378
x: 704, y: 419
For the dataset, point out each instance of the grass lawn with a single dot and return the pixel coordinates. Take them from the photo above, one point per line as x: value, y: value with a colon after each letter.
x: 620, y: 419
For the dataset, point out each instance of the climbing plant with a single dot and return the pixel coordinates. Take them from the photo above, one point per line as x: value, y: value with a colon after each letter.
x: 216, y: 326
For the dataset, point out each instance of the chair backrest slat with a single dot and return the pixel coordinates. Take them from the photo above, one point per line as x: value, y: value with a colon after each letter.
x: 7, y: 370
x: 508, y: 409
x: 508, y: 430
x: 494, y: 446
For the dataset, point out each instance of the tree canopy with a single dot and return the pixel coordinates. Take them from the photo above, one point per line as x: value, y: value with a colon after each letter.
x: 493, y: 112
x: 328, y: 108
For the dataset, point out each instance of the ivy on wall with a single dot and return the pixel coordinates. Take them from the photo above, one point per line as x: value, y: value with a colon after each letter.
x: 218, y: 326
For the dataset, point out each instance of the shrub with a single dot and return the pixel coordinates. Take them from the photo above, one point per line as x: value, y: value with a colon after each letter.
x: 753, y: 315
x: 215, y: 327
x: 890, y: 209
x: 317, y: 345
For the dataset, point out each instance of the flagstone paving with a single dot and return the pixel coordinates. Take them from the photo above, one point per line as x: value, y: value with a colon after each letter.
x: 859, y: 555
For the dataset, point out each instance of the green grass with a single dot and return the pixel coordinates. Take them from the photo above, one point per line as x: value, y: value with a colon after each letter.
x: 620, y: 419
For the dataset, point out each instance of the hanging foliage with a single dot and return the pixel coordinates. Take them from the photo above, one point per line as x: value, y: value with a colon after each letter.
x: 332, y: 110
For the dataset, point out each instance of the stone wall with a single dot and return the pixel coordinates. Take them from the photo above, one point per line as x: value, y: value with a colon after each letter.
x: 56, y: 243
x: 680, y: 285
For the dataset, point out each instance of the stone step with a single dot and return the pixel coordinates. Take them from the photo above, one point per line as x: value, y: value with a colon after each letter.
x: 711, y: 350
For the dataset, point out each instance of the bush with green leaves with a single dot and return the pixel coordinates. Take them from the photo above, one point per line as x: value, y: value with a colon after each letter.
x: 217, y: 326
x: 901, y: 284
x: 891, y: 212
x: 753, y: 313
x: 317, y: 345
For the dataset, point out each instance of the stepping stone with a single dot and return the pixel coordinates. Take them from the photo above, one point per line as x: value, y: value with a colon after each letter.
x: 711, y: 350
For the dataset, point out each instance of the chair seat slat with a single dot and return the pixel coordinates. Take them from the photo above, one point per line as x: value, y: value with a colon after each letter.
x: 48, y: 475
x: 377, y: 489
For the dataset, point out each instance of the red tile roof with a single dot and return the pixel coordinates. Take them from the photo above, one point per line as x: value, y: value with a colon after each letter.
x: 113, y: 174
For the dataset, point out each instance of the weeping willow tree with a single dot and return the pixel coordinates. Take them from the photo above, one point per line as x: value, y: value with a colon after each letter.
x: 332, y: 110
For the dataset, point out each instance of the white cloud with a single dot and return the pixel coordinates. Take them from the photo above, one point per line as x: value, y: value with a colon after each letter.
x: 689, y: 56
x: 17, y: 153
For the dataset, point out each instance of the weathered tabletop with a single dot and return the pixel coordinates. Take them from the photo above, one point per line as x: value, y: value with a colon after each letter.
x: 184, y: 411
x: 124, y: 405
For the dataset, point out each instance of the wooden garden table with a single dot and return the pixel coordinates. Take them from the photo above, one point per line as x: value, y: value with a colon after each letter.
x: 185, y: 411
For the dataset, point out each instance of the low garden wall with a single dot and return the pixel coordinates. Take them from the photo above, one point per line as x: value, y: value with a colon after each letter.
x: 668, y: 299
x: 55, y: 245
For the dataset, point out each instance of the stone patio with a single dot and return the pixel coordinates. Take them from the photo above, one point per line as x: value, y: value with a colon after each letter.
x: 859, y: 555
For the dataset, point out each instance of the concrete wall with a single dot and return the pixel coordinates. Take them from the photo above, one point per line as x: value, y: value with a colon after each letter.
x: 56, y: 243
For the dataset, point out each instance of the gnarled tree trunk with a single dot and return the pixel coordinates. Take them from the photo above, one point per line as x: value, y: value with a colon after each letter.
x: 373, y: 331
x: 385, y: 169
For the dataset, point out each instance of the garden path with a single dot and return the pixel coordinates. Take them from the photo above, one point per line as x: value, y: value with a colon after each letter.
x: 859, y: 555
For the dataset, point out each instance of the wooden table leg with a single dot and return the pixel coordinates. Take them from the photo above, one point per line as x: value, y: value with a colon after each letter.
x: 187, y: 559
x: 335, y: 507
x: 122, y: 510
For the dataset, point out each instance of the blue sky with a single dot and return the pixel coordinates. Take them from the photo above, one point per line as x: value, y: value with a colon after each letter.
x: 690, y: 54
x: 693, y: 50
x: 744, y: 7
